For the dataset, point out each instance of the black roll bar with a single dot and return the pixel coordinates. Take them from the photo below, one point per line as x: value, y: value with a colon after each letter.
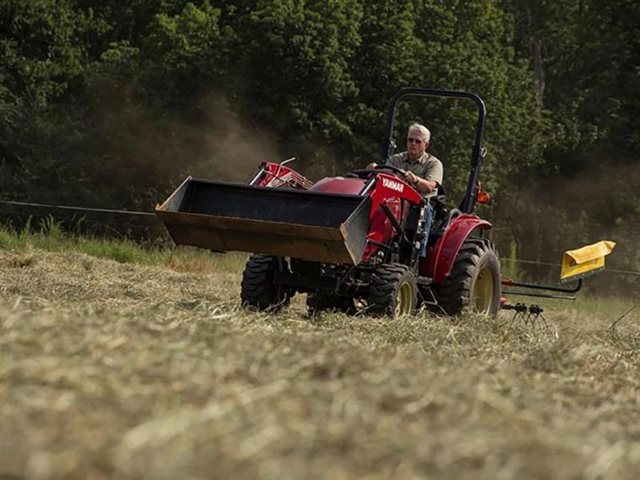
x: 478, y: 152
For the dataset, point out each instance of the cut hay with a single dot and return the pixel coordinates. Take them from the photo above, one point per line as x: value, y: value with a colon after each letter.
x: 111, y: 370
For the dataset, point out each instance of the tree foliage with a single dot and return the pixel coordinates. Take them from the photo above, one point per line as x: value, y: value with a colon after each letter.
x: 110, y: 103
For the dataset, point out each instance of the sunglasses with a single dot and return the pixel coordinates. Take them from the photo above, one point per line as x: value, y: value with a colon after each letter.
x: 414, y: 140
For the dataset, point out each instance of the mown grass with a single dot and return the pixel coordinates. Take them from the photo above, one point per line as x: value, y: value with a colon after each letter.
x: 134, y: 371
x: 50, y: 237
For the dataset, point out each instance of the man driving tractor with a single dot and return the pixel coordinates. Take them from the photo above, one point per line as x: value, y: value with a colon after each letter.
x: 422, y: 170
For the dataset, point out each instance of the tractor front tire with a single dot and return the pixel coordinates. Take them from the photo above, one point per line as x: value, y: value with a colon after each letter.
x: 393, y: 291
x: 474, y: 281
x: 258, y: 290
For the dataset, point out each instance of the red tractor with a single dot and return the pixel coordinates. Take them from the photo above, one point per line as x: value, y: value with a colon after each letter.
x: 351, y: 243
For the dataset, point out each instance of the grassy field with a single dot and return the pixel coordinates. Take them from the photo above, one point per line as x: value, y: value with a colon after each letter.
x: 142, y: 367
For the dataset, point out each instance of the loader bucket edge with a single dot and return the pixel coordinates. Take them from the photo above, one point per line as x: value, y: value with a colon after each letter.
x: 223, y: 216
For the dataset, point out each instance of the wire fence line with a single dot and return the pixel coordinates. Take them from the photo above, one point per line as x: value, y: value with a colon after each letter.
x: 152, y: 217
x: 86, y: 220
x: 534, y: 262
x: 77, y: 209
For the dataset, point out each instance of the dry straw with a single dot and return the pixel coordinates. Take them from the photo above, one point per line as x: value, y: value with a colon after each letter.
x: 111, y: 370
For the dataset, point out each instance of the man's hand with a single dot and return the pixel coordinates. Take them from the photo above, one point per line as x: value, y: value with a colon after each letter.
x: 371, y: 166
x: 410, y: 177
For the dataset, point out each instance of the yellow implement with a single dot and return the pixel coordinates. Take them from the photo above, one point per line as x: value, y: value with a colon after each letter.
x: 585, y: 261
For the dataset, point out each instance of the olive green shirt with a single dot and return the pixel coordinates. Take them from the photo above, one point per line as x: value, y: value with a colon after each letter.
x: 427, y: 167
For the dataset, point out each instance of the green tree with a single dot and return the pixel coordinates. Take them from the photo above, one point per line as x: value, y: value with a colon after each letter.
x: 387, y: 58
x: 148, y: 102
x: 467, y: 45
x: 42, y: 60
x: 294, y: 67
x: 587, y: 55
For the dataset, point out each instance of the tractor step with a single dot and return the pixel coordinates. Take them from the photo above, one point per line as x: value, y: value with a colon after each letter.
x: 315, y: 226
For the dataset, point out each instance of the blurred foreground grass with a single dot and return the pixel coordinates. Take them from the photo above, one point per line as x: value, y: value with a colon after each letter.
x: 140, y: 371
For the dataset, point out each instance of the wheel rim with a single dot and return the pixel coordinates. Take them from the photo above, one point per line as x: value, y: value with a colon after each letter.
x: 483, y: 291
x: 404, y: 300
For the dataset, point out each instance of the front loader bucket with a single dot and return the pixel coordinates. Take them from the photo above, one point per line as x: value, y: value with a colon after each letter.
x: 314, y: 226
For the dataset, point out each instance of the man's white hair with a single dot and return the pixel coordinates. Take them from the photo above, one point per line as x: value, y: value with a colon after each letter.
x: 424, y: 131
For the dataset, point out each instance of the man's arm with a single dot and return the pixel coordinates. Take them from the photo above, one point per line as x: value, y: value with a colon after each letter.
x: 432, y: 177
x: 422, y: 185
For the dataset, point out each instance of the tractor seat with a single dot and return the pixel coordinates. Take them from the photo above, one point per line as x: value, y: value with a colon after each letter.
x: 438, y: 202
x: 442, y: 215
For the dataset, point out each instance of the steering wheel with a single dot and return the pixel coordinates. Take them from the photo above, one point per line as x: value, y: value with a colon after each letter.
x: 367, y: 172
x: 396, y: 170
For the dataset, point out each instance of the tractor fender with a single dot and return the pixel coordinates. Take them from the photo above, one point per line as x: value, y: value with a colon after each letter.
x: 443, y: 254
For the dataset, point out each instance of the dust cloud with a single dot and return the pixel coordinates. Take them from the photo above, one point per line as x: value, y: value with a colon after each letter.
x: 210, y: 141
x: 233, y: 146
x: 219, y: 143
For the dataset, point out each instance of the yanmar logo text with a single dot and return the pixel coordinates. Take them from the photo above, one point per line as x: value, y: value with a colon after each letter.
x: 397, y: 186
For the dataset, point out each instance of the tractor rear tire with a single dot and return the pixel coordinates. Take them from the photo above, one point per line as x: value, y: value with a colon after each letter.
x: 322, y: 302
x: 393, y: 291
x: 258, y: 291
x: 474, y: 281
